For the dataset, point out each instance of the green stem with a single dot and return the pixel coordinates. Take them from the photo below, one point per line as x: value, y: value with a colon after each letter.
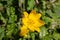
x: 33, y: 36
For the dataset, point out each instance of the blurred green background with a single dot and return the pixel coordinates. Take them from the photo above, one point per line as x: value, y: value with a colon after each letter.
x: 11, y: 14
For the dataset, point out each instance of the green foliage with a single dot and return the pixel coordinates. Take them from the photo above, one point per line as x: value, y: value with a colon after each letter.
x: 2, y: 33
x: 30, y: 4
x: 11, y: 13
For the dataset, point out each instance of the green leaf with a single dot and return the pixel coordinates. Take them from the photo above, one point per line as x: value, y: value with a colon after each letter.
x: 48, y: 37
x: 46, y: 19
x: 30, y: 4
x: 33, y: 36
x: 56, y: 36
x: 12, y: 18
x: 43, y: 32
x: 1, y: 33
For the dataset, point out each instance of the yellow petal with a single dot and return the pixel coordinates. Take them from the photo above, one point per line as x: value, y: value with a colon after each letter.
x: 37, y: 29
x: 24, y: 21
x: 31, y: 28
x: 39, y: 15
x: 34, y: 16
x: 24, y: 31
x: 25, y: 14
x: 41, y: 22
x: 33, y: 12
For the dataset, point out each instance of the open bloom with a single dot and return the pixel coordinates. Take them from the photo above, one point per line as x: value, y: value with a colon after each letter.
x: 31, y: 22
